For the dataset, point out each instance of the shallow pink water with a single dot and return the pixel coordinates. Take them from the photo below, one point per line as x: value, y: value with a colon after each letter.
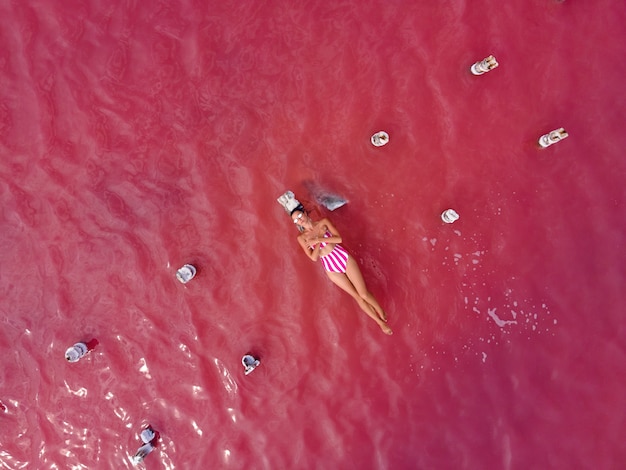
x: 137, y: 137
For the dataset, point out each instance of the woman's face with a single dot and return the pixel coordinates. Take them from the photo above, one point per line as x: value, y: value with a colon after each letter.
x: 298, y: 217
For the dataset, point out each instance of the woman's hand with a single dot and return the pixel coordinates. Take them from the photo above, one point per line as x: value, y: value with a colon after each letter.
x: 308, y: 246
x: 312, y: 243
x: 311, y: 246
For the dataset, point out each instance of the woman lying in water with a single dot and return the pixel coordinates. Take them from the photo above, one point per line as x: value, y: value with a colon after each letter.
x: 320, y: 241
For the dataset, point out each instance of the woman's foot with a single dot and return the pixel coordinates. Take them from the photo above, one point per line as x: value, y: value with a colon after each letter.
x: 386, y: 329
x: 382, y: 315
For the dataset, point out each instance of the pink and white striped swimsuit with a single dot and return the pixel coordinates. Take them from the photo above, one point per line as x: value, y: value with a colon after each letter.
x: 337, y: 260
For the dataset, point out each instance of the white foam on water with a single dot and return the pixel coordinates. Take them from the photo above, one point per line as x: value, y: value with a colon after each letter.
x: 196, y: 428
x: 144, y: 368
x: 231, y: 412
x: 492, y: 313
x: 120, y: 413
x: 227, y: 380
x: 80, y: 392
x: 185, y: 349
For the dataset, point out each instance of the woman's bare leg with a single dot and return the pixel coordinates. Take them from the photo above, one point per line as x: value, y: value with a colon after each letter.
x: 342, y: 281
x: 356, y: 278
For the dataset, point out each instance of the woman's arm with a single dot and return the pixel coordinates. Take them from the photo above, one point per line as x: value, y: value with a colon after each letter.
x: 336, y: 236
x: 312, y: 252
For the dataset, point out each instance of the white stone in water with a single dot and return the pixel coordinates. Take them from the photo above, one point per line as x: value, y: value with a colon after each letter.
x: 250, y: 363
x: 449, y: 216
x: 552, y: 137
x: 147, y: 435
x: 186, y: 273
x: 288, y: 201
x: 77, y: 351
x: 484, y: 66
x: 332, y: 202
x: 380, y: 138
x: 142, y: 452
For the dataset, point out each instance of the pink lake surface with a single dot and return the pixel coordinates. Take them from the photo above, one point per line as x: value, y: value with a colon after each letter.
x: 140, y: 136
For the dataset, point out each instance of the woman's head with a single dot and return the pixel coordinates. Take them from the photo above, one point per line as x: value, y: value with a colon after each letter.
x: 298, y: 216
x: 301, y: 219
x: 298, y: 208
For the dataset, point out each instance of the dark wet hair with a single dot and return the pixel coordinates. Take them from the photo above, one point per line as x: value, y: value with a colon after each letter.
x: 299, y: 208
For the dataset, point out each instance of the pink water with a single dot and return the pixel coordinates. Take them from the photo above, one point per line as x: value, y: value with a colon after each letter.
x: 137, y: 137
